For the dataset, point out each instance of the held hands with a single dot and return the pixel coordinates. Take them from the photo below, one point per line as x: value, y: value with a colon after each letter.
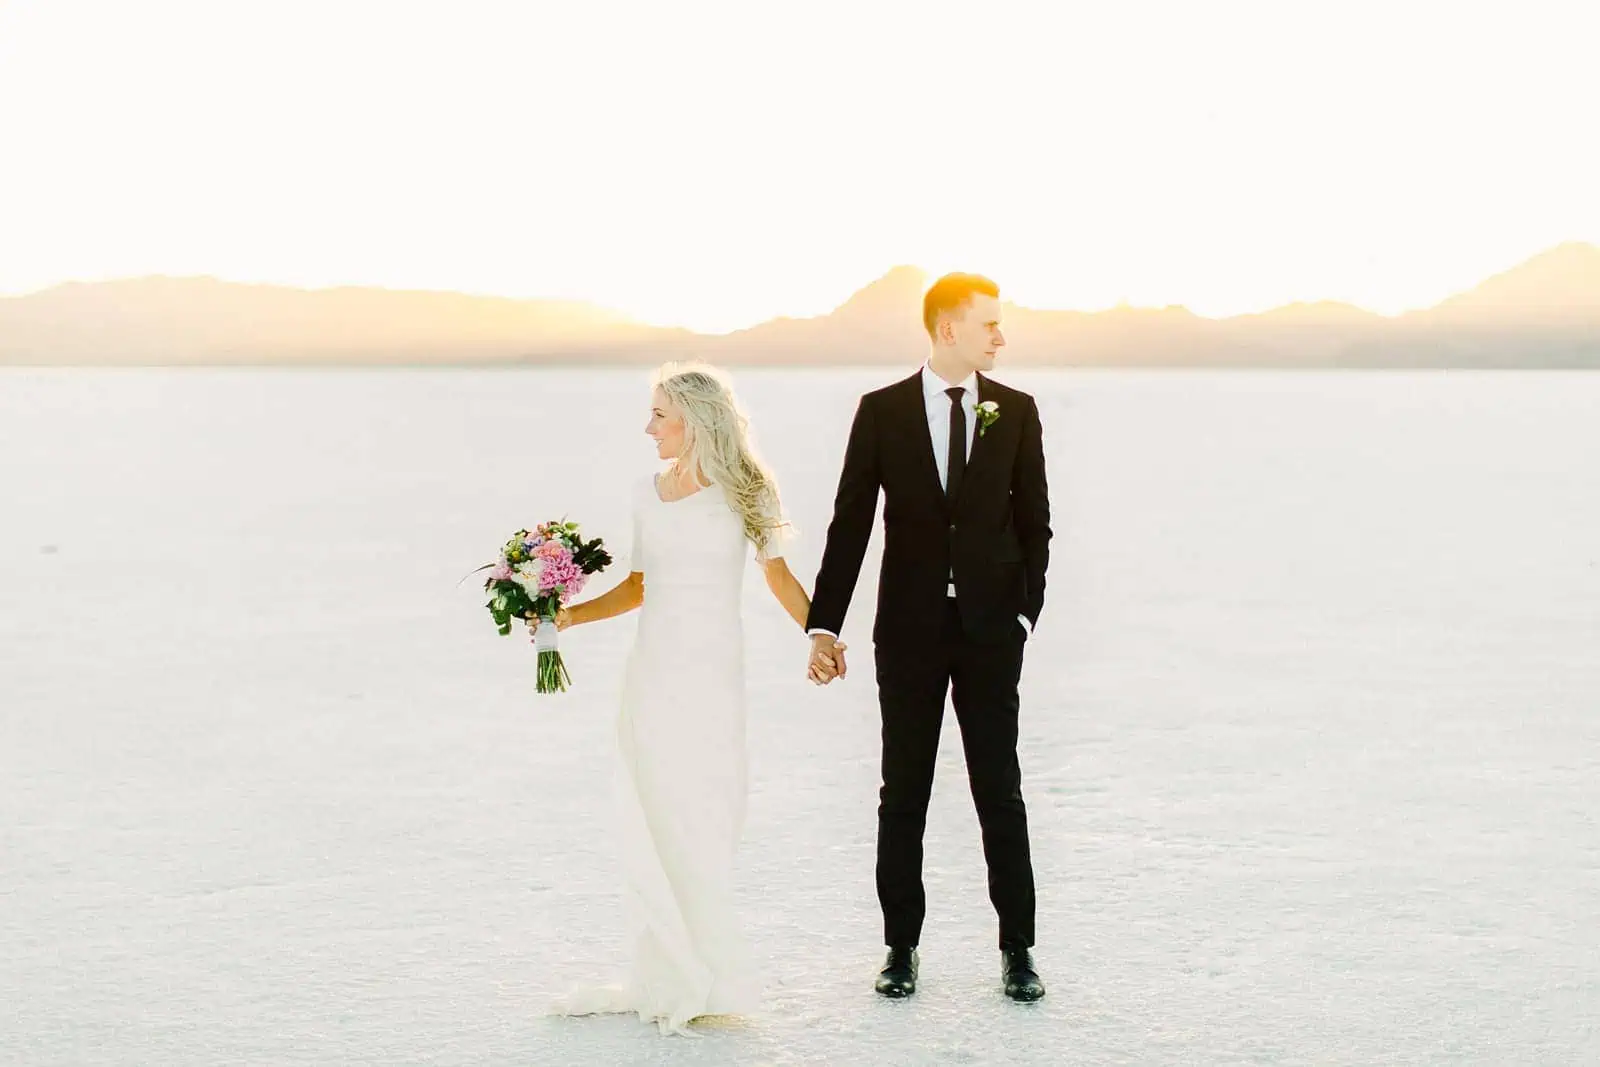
x: 827, y: 659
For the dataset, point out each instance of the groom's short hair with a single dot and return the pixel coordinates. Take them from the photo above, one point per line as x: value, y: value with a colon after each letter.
x: 950, y: 293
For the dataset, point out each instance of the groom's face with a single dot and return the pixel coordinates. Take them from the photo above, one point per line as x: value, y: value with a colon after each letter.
x: 974, y: 336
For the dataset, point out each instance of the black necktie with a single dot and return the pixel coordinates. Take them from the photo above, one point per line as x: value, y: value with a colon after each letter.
x: 958, y: 442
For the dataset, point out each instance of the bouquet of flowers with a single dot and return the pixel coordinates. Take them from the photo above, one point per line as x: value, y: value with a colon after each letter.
x: 537, y: 575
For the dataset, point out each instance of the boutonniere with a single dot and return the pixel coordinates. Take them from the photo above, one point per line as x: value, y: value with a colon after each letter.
x: 988, y: 415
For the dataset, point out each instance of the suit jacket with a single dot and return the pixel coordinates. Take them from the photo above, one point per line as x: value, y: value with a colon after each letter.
x: 994, y: 536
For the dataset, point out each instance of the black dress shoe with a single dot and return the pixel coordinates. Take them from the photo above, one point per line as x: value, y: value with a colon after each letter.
x: 1022, y: 981
x: 899, y: 975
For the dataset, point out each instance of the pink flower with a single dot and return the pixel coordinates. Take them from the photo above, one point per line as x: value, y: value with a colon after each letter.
x: 552, y: 550
x: 500, y: 573
x: 558, y: 572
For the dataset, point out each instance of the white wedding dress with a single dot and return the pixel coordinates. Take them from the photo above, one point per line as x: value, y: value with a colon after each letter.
x: 682, y: 775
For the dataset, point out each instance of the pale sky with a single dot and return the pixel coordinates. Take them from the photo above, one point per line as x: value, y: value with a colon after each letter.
x: 715, y: 164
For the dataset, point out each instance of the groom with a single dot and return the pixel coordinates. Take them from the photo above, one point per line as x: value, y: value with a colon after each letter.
x: 960, y: 460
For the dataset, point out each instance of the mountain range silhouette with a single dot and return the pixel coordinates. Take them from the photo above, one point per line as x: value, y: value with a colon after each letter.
x: 1543, y: 313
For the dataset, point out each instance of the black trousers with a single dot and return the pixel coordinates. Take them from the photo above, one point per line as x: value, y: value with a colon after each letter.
x: 912, y: 683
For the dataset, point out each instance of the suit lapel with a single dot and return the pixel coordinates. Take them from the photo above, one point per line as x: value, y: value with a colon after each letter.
x: 916, y: 409
x: 981, y: 445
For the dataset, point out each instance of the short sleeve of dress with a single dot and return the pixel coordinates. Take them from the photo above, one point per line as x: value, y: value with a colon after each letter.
x: 779, y: 540
x: 636, y: 549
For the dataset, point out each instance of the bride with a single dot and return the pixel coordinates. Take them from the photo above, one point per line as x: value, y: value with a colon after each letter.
x: 681, y: 727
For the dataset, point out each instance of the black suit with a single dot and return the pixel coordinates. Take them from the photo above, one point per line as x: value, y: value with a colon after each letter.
x: 994, y: 538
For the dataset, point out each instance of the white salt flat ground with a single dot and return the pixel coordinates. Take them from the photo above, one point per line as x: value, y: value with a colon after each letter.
x: 1311, y: 732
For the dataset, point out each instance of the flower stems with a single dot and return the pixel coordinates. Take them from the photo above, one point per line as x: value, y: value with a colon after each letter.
x: 553, y: 677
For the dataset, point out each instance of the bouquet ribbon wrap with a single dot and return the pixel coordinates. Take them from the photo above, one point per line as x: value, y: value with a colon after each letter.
x: 545, y: 638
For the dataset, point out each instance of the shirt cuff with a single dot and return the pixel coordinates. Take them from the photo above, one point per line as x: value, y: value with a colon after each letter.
x: 830, y: 633
x: 1027, y: 627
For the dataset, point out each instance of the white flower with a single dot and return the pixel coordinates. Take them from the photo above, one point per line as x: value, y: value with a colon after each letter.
x: 528, y: 573
x: 988, y: 414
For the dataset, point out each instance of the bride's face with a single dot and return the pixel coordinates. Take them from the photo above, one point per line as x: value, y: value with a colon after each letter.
x: 665, y: 426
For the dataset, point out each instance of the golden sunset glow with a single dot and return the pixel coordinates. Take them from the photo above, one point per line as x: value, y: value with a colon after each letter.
x: 714, y: 165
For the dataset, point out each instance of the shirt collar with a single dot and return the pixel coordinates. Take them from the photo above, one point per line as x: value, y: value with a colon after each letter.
x: 934, y: 386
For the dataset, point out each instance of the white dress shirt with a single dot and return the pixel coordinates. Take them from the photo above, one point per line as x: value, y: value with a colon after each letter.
x: 936, y: 402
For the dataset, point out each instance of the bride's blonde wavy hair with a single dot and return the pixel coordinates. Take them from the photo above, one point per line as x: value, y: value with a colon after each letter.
x: 716, y: 442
